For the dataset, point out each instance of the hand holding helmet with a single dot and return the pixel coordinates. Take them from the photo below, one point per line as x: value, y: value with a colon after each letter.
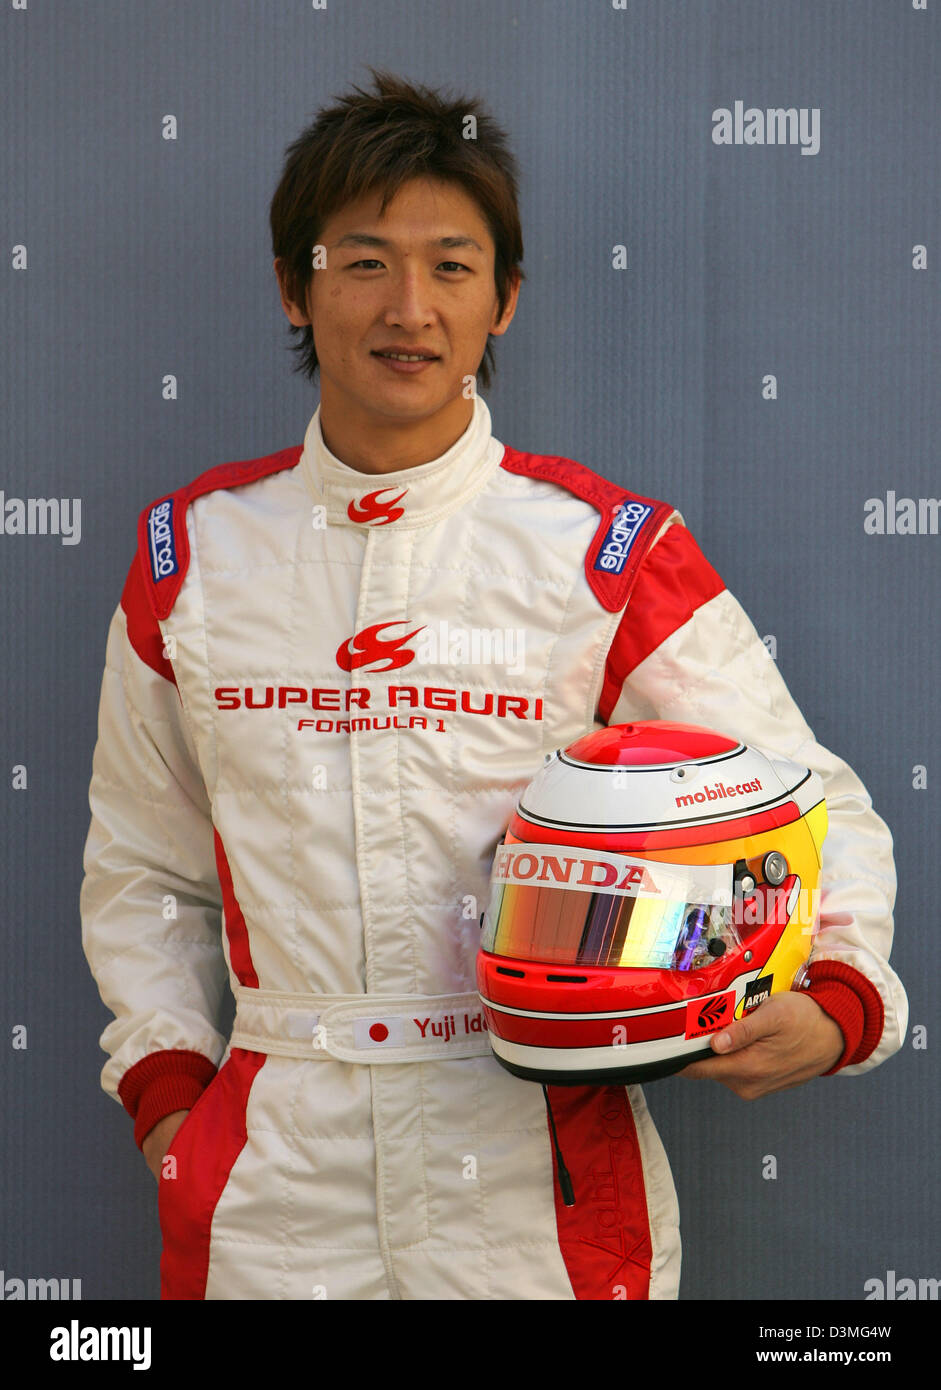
x: 787, y: 1041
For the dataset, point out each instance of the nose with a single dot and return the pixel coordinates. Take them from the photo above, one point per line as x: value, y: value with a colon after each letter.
x: 410, y: 303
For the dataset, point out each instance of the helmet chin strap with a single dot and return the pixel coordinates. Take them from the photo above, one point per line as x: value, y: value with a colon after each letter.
x: 565, y: 1182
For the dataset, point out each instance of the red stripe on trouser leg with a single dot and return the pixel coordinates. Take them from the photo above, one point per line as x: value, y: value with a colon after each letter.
x: 205, y: 1148
x: 605, y: 1237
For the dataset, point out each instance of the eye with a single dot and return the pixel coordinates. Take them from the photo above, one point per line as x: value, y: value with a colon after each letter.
x: 371, y: 262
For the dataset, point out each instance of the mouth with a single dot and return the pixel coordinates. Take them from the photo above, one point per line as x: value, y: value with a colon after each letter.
x: 406, y: 356
x: 406, y: 363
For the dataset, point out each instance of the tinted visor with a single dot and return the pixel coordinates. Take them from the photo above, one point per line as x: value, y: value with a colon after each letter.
x: 557, y: 904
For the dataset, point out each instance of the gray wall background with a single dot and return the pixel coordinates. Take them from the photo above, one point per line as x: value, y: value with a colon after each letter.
x: 148, y: 256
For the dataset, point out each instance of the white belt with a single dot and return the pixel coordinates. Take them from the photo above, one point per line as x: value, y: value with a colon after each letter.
x: 368, y: 1028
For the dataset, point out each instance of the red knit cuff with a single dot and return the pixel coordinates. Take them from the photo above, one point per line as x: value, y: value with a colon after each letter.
x: 161, y: 1083
x: 854, y: 1003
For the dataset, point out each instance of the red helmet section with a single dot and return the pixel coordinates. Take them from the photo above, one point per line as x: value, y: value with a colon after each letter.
x: 649, y: 743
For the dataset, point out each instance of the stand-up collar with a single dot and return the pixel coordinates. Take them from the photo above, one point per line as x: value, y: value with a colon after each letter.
x: 410, y: 496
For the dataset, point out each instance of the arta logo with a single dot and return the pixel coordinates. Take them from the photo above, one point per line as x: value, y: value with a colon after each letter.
x: 369, y: 509
x: 706, y: 1015
x: 756, y: 992
x: 365, y: 647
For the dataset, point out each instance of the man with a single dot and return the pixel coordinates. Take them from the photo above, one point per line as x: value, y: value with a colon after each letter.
x: 290, y: 734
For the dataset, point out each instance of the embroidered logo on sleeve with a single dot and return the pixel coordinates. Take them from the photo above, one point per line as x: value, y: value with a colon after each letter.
x: 163, y: 561
x: 622, y: 533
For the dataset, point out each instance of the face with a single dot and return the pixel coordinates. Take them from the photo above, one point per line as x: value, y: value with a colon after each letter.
x: 418, y: 280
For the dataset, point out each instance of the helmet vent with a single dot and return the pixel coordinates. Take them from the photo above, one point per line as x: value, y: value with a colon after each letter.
x: 567, y: 979
x: 505, y: 970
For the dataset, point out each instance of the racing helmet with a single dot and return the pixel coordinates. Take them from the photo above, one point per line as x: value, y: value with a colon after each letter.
x: 657, y: 881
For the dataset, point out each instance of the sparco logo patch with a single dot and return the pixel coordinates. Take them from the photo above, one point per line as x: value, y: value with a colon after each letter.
x: 757, y: 992
x: 368, y: 508
x: 706, y: 1015
x: 366, y: 647
x: 622, y: 533
x: 162, y: 545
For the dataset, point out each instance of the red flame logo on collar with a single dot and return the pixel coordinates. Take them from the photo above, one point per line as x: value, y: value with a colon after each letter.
x: 368, y: 508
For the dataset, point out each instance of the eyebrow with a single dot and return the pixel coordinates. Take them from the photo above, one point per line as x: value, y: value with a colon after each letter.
x: 445, y: 242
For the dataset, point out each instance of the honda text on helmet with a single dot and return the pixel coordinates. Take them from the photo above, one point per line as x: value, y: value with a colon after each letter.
x: 656, y: 881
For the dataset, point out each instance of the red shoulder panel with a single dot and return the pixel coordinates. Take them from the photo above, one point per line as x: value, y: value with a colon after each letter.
x: 163, y: 543
x: 143, y: 633
x: 676, y: 580
x: 627, y: 528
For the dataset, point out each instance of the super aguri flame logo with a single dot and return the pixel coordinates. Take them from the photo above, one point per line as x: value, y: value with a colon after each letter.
x: 365, y: 647
x: 369, y: 508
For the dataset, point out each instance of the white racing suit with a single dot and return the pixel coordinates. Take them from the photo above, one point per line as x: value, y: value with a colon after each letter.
x: 324, y: 692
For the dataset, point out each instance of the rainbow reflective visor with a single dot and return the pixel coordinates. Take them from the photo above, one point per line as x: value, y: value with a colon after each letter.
x: 566, y: 906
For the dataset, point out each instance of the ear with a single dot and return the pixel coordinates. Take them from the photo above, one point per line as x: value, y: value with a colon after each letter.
x: 295, y: 312
x: 500, y: 323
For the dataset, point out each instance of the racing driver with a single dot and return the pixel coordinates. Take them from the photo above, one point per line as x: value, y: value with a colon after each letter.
x: 330, y: 674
